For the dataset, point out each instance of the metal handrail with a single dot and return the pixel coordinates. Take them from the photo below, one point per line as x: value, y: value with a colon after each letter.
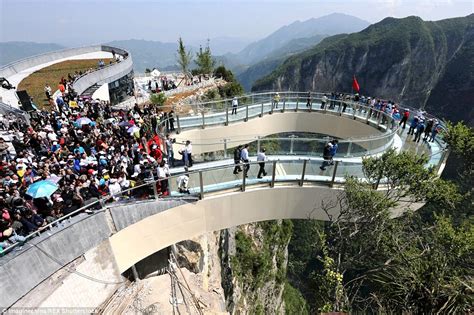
x: 371, y: 112
x: 302, y: 179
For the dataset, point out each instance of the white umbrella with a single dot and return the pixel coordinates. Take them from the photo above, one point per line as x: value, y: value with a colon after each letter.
x: 132, y: 129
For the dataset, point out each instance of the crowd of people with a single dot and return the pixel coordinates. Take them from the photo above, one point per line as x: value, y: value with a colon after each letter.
x: 90, y: 152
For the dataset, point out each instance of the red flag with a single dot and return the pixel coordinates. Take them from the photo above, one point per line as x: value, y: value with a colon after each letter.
x: 355, y: 84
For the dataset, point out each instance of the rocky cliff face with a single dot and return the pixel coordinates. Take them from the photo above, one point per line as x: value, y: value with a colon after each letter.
x: 408, y: 60
x: 253, y: 263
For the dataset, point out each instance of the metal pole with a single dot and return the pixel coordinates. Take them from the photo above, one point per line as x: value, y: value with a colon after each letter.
x: 349, y: 149
x: 225, y: 148
x: 334, y: 174
x: 271, y: 103
x: 244, y: 176
x: 297, y: 102
x: 226, y: 113
x: 284, y: 103
x: 203, y: 121
x: 246, y: 112
x: 353, y: 111
x: 258, y: 143
x: 201, y: 186
x: 292, y: 140
x: 272, y: 183
x: 135, y: 273
x: 179, y: 126
x: 303, y: 173
x: 261, y: 113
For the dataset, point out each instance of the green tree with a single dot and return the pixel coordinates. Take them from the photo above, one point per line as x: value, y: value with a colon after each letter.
x: 460, y: 140
x: 369, y: 248
x: 231, y: 89
x: 184, y: 57
x: 204, y: 60
x: 158, y: 99
x: 225, y: 74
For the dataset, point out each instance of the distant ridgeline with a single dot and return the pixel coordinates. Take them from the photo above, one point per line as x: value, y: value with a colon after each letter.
x: 409, y: 60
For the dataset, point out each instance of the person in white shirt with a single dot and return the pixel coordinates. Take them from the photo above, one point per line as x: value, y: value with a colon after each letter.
x: 163, y: 172
x: 235, y: 104
x: 244, y: 156
x: 187, y: 154
x: 114, y: 189
x: 183, y: 182
x: 261, y: 158
x: 324, y: 100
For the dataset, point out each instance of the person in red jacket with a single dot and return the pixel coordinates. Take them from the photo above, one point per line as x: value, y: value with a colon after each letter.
x: 404, y: 119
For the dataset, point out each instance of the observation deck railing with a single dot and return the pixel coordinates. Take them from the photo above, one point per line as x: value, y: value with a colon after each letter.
x: 213, y: 113
x: 107, y: 73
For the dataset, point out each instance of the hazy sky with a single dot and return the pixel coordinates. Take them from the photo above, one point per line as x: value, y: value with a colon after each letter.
x: 78, y: 22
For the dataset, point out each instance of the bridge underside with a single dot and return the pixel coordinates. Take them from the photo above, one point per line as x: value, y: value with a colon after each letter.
x: 217, y: 212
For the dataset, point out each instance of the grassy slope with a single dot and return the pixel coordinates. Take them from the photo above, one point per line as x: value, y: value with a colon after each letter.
x: 35, y: 82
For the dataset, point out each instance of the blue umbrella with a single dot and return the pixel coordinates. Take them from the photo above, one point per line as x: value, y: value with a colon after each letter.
x: 83, y: 121
x: 43, y: 188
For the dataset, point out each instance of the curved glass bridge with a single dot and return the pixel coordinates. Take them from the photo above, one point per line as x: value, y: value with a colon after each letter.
x: 290, y: 166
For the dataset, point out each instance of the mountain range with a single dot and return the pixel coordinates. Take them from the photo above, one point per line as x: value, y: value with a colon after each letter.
x: 420, y: 63
x: 237, y: 54
x: 11, y: 51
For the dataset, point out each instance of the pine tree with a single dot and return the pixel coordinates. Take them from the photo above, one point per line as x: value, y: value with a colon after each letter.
x: 204, y: 60
x: 184, y: 57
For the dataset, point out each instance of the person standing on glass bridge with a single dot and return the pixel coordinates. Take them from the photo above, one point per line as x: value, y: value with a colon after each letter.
x: 244, y: 156
x: 261, y: 158
x: 237, y: 153
x: 324, y: 100
x: 330, y: 150
x: 235, y: 104
x: 276, y: 100
x: 308, y: 100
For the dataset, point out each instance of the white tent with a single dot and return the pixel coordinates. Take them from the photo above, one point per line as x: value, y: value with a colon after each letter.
x: 155, y: 73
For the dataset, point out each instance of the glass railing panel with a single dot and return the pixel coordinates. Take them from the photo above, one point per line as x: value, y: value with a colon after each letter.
x: 309, y: 147
x: 314, y: 172
x: 288, y: 170
x: 221, y: 179
x: 343, y: 148
x: 143, y: 189
x: 347, y: 169
x: 276, y: 146
x: 193, y: 184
